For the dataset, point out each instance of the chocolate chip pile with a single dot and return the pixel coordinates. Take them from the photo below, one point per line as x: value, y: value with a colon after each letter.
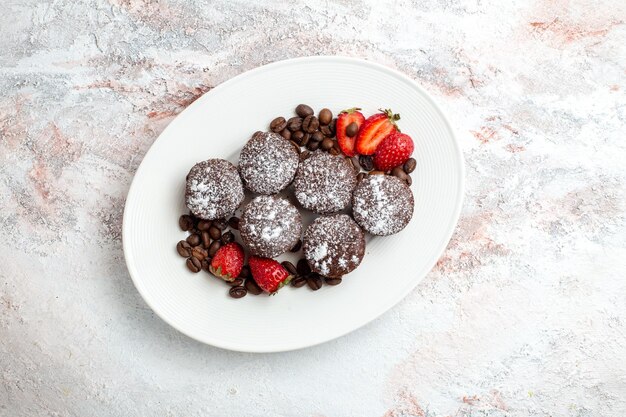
x: 306, y: 155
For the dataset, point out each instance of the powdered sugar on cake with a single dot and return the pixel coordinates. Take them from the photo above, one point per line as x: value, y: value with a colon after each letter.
x: 270, y: 226
x: 267, y: 163
x: 213, y: 189
x: 382, y: 204
x: 334, y: 245
x: 324, y: 183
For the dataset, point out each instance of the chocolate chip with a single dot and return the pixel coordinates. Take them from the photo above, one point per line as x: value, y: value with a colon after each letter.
x: 220, y: 224
x: 193, y: 239
x: 245, y: 272
x: 278, y: 124
x: 194, y: 264
x: 228, y: 237
x: 233, y: 223
x: 253, y: 287
x: 352, y: 129
x: 399, y: 172
x: 314, y: 281
x: 297, y: 136
x: 286, y: 133
x: 317, y: 136
x: 214, y: 247
x: 186, y: 222
x: 296, y: 247
x: 199, y: 253
x: 409, y: 165
x: 361, y: 176
x: 295, y: 123
x: 303, y: 110
x: 310, y: 124
x: 312, y: 146
x: 303, y: 267
x: 332, y: 281
x: 366, y: 162
x: 377, y: 173
x: 238, y: 292
x: 215, y: 233
x: 236, y: 282
x: 327, y: 144
x: 325, y: 117
x: 298, y: 282
x: 289, y: 267
x: 184, y: 249
x: 204, y: 225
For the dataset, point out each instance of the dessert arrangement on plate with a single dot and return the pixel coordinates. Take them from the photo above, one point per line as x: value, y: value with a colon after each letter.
x: 352, y: 172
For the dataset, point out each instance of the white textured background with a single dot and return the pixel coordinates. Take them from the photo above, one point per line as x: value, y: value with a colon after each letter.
x: 525, y: 314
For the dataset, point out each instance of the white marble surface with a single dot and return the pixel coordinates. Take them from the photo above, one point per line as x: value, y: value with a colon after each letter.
x: 525, y: 314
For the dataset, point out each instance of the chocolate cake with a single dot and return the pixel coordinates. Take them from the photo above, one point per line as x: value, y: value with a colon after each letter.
x: 213, y: 189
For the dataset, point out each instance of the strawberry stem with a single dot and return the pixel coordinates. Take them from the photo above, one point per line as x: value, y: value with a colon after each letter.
x: 351, y: 110
x: 393, y: 117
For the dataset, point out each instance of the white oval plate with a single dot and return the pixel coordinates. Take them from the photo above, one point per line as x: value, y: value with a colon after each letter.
x: 217, y: 125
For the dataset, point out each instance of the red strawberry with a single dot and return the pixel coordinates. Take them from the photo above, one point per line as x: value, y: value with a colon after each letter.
x: 374, y: 130
x: 268, y: 274
x: 345, y: 118
x: 227, y: 262
x: 394, y: 150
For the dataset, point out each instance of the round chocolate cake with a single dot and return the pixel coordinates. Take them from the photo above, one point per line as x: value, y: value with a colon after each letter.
x: 333, y: 245
x: 270, y: 226
x: 267, y: 163
x: 324, y: 183
x: 382, y: 204
x: 213, y: 189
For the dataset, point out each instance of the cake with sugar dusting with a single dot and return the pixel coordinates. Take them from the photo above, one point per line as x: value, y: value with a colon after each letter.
x: 382, y: 204
x: 333, y: 245
x: 324, y: 183
x: 270, y: 226
x: 213, y: 189
x: 267, y: 163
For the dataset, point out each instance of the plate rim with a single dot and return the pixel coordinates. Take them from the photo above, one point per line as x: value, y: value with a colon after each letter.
x: 268, y: 67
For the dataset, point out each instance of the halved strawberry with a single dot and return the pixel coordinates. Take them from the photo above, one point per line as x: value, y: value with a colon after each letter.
x: 374, y: 130
x: 394, y: 150
x: 269, y: 275
x: 227, y: 262
x: 345, y: 118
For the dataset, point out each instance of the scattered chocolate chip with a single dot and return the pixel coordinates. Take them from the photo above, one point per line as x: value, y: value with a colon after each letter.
x: 233, y: 223
x: 220, y: 224
x: 204, y: 225
x: 312, y: 146
x: 317, y: 136
x: 352, y: 129
x: 377, y: 173
x: 295, y: 123
x: 278, y: 124
x: 325, y: 117
x: 289, y: 267
x: 228, y: 237
x: 238, y: 292
x: 366, y: 162
x: 184, y: 249
x: 286, y: 133
x: 303, y: 267
x: 409, y: 165
x: 332, y: 281
x: 310, y: 124
x: 215, y: 233
x: 399, y: 172
x: 298, y: 282
x: 327, y: 144
x: 193, y: 239
x: 214, y: 247
x: 185, y: 222
x: 194, y: 264
x: 314, y: 281
x: 245, y: 272
x: 303, y: 110
x: 296, y: 247
x: 236, y: 282
x: 252, y: 287
x: 199, y: 253
x: 360, y: 176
